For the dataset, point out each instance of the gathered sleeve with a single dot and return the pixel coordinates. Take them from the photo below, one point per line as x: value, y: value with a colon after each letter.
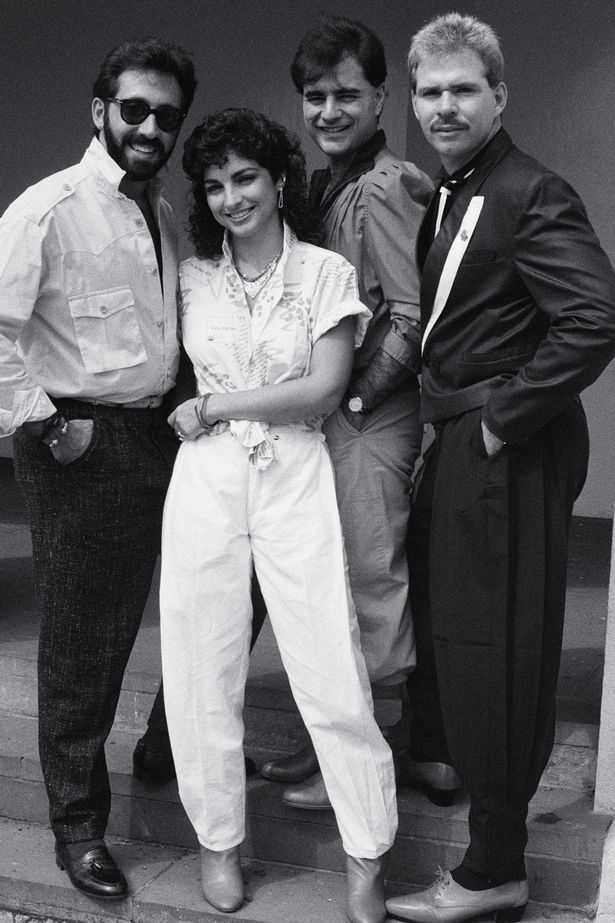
x: 336, y: 296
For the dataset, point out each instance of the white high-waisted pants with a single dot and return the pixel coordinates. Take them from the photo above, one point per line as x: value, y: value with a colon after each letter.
x: 221, y: 513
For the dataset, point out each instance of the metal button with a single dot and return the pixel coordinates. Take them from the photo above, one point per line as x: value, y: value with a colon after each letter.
x: 139, y: 222
x: 103, y: 309
x: 67, y: 188
x: 154, y: 272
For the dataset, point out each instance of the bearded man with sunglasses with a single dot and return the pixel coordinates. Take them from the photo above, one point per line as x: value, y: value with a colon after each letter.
x: 88, y: 350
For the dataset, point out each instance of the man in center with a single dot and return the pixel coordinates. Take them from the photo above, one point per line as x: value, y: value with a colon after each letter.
x: 371, y: 204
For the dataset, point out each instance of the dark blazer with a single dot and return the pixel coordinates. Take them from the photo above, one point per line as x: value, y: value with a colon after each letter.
x: 530, y: 318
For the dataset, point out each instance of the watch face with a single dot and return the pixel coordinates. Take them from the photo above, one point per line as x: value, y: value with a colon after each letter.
x: 355, y: 404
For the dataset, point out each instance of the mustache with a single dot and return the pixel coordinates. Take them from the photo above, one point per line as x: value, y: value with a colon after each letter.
x: 451, y: 123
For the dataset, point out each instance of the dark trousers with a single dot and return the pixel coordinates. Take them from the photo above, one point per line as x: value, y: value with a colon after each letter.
x: 497, y: 584
x: 95, y: 539
x: 157, y: 733
x: 427, y: 741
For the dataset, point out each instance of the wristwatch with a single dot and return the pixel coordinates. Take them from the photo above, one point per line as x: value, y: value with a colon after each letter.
x: 355, y: 404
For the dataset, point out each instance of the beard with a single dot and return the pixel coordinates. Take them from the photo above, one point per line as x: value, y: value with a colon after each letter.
x: 120, y: 151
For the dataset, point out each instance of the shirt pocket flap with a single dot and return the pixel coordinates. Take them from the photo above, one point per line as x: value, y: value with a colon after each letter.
x: 107, y: 329
x: 101, y: 304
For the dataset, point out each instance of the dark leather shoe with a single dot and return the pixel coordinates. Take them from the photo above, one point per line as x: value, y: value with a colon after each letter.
x: 439, y: 780
x: 310, y: 795
x: 94, y: 872
x: 295, y: 768
x: 156, y: 767
x: 448, y: 902
x: 365, y: 889
x: 221, y: 878
x: 152, y: 766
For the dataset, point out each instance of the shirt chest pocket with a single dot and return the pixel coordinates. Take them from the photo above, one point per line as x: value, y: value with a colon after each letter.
x: 222, y: 330
x: 107, y: 329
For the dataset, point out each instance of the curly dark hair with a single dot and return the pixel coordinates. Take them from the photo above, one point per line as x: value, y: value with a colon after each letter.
x: 252, y: 136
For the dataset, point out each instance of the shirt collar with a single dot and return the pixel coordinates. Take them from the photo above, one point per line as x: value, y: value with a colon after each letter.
x: 104, y: 169
x: 362, y: 161
x: 459, y: 176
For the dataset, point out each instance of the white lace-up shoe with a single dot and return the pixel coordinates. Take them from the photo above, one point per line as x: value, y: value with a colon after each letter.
x: 448, y: 902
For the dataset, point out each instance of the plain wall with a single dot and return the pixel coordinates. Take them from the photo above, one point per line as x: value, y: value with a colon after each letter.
x: 560, y: 71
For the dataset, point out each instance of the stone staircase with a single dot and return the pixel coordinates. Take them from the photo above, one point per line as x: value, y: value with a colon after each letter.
x: 293, y: 860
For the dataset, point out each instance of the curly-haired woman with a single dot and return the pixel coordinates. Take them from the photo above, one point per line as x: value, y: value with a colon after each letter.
x: 270, y: 323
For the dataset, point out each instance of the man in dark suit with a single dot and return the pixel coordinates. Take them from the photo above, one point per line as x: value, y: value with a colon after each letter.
x: 518, y: 315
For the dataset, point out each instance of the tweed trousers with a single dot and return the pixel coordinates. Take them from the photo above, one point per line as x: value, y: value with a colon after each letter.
x: 95, y: 539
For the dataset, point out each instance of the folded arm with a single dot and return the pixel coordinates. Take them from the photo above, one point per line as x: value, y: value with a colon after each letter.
x: 394, y: 211
x: 317, y: 393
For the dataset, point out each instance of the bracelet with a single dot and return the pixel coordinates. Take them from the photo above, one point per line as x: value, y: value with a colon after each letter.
x: 200, y: 408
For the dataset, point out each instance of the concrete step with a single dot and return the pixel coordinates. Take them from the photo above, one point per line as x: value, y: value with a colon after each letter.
x: 267, y: 686
x: 165, y: 888
x: 284, y: 848
x: 565, y: 836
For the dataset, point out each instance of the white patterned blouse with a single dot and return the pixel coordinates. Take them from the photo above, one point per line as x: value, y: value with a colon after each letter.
x: 234, y: 349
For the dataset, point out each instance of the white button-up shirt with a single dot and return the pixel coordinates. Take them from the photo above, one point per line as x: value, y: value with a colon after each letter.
x: 232, y: 349
x: 82, y: 311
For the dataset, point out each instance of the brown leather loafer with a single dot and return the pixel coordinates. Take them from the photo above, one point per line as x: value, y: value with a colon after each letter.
x: 310, y: 795
x: 439, y: 781
x: 94, y: 872
x: 295, y: 768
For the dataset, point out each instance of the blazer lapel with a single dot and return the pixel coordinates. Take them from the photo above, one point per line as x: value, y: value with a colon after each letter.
x: 453, y: 261
x: 437, y: 256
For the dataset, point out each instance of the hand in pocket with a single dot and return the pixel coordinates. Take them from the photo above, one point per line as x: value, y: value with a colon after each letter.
x: 75, y: 442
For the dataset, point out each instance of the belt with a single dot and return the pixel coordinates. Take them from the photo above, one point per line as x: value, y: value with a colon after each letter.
x: 142, y: 403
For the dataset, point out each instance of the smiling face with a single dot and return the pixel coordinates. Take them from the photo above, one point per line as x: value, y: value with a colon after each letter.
x: 243, y: 197
x: 341, y: 110
x: 457, y: 109
x: 140, y: 150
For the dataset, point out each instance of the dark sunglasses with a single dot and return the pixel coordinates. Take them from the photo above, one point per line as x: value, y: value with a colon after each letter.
x: 135, y: 111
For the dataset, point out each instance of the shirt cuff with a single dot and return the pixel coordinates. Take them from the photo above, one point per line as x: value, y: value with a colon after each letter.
x: 29, y: 406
